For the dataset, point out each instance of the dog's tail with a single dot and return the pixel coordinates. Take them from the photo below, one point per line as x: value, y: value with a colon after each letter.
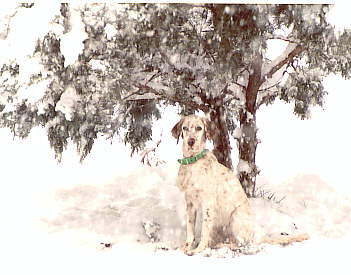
x: 285, y: 239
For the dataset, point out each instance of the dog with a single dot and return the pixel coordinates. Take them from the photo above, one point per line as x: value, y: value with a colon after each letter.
x: 212, y: 189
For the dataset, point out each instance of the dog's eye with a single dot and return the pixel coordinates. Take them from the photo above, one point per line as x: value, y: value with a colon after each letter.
x: 185, y: 128
x: 198, y: 128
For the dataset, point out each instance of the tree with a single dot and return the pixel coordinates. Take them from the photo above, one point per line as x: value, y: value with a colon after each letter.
x: 202, y: 57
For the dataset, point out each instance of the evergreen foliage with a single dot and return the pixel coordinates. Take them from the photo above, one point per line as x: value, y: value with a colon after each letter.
x: 199, y: 57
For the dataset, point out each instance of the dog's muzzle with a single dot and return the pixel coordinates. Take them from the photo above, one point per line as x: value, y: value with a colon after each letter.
x: 191, y: 142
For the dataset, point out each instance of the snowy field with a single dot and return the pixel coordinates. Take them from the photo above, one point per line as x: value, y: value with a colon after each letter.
x: 114, y: 215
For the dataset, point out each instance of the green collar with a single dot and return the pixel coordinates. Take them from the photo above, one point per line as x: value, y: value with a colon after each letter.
x: 192, y: 159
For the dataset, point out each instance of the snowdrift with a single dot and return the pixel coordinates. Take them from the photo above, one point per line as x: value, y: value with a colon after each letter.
x: 136, y: 224
x: 145, y: 206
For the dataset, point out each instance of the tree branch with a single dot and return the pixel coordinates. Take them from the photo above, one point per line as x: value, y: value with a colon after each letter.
x: 283, y: 38
x: 147, y: 89
x: 270, y: 87
x: 152, y: 77
x: 298, y: 49
x: 240, y: 85
x: 288, y: 59
x: 7, y: 25
x: 254, y: 82
x: 185, y: 102
x: 163, y: 55
x: 266, y: 98
x: 231, y: 93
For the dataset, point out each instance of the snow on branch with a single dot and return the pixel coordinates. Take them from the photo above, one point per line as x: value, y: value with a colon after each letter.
x: 151, y: 159
x: 186, y: 101
x: 163, y: 55
x: 273, y: 72
x: 148, y: 89
x: 292, y: 50
x: 282, y: 37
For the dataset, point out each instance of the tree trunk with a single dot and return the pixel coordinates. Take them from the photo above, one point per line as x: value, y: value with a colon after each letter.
x: 247, y: 142
x: 221, y: 143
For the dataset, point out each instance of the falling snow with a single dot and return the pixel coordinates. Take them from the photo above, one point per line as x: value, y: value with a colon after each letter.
x: 113, y: 213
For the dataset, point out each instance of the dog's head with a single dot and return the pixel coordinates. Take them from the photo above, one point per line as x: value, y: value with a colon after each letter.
x: 194, y: 130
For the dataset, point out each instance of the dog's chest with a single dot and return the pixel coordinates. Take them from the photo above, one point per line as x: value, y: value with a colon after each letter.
x: 206, y: 178
x: 196, y: 177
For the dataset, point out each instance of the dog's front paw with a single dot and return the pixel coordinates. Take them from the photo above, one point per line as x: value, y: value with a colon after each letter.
x: 189, y: 245
x: 202, y: 248
x: 187, y: 249
x: 192, y: 252
x: 206, y: 252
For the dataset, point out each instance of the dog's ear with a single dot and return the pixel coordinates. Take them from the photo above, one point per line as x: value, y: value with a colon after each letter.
x: 210, y: 129
x: 177, y: 129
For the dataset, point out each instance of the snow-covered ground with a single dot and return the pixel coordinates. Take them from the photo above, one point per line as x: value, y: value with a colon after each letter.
x: 114, y: 215
x: 58, y: 219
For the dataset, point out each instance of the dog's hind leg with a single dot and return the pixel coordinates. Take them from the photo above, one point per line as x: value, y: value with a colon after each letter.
x: 243, y: 225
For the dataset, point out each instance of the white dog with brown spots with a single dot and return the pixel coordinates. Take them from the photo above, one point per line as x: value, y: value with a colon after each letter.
x: 212, y: 189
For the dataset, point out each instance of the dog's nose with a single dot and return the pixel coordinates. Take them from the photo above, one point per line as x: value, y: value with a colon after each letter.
x: 191, y: 142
